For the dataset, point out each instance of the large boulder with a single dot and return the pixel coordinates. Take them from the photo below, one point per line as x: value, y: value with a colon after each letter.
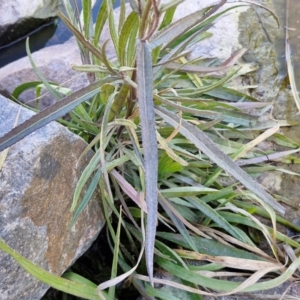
x: 37, y: 183
x: 20, y: 17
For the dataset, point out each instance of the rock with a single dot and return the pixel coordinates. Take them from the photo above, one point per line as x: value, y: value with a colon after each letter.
x: 19, y: 17
x: 37, y: 183
x: 15, y: 11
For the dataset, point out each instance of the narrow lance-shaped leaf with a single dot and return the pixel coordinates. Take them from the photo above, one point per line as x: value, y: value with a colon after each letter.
x: 52, y: 113
x: 80, y: 37
x: 54, y: 92
x: 99, y: 24
x: 203, y: 143
x: 147, y: 116
x: 87, y: 9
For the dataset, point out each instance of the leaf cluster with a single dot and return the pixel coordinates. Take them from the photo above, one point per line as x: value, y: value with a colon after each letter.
x: 167, y: 132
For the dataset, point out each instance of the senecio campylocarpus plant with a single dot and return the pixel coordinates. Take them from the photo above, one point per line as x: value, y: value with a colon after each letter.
x: 144, y: 114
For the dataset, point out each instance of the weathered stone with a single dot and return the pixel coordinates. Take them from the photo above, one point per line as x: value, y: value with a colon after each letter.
x: 19, y: 17
x: 37, y: 183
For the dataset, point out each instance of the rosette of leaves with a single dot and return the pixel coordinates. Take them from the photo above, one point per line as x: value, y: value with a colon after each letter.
x: 165, y: 130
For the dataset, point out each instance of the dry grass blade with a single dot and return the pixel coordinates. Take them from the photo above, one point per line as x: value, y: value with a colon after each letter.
x: 175, y: 285
x: 230, y: 262
x: 267, y: 157
x: 291, y: 73
x: 220, y: 158
x: 200, y: 69
x: 122, y: 277
x: 129, y: 190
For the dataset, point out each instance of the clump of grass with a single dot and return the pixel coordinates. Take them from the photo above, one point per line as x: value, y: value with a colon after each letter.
x: 166, y: 132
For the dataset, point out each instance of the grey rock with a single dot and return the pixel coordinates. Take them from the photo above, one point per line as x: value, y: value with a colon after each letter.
x: 14, y: 11
x: 19, y: 17
x: 37, y: 183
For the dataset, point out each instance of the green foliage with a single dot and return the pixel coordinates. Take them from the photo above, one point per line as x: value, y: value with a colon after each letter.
x: 164, y: 129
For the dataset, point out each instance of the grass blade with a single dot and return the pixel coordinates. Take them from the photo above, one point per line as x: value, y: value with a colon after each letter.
x: 87, y: 18
x: 215, y: 216
x: 112, y: 26
x: 100, y: 22
x: 128, y: 28
x: 37, y: 72
x: 87, y: 196
x: 114, y: 269
x: 65, y: 285
x: 203, y: 143
x: 176, y: 221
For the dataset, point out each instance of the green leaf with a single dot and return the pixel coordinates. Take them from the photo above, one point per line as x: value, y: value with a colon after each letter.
x: 168, y: 17
x: 186, y: 191
x: 114, y: 268
x: 229, y: 94
x: 215, y: 216
x: 169, y: 209
x: 203, y: 143
x: 122, y: 16
x: 87, y: 196
x: 24, y: 87
x: 39, y: 74
x: 78, y: 278
x: 167, y: 165
x: 87, y: 20
x: 129, y: 28
x: 61, y: 284
x: 100, y: 22
x: 206, y: 246
x: 112, y: 26
x: 160, y: 294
